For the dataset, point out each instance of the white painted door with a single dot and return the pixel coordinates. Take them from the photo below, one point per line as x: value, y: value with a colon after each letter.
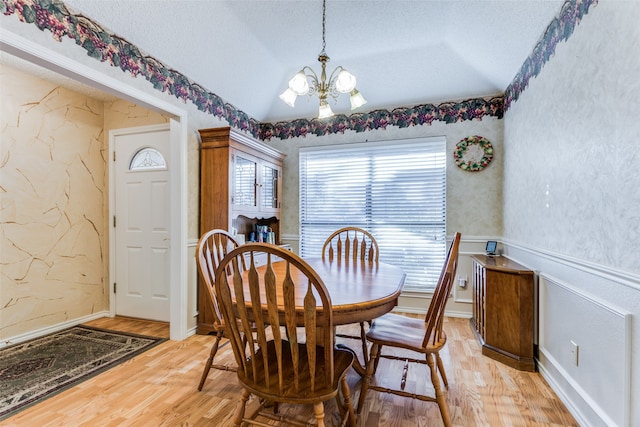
x: 142, y: 256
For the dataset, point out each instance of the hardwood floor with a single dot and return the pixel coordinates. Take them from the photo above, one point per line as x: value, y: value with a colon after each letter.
x: 159, y: 388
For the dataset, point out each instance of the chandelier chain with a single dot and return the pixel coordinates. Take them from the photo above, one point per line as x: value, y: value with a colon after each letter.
x: 324, y: 20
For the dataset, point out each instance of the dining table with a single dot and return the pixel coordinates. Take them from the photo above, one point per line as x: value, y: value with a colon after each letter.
x: 360, y: 290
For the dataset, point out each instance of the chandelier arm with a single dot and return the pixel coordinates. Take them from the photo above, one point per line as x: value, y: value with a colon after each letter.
x: 334, y: 75
x: 311, y: 74
x: 312, y: 90
x: 313, y: 77
x: 330, y: 85
x: 333, y: 92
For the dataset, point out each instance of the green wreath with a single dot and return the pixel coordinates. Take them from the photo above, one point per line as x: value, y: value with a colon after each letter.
x: 473, y: 153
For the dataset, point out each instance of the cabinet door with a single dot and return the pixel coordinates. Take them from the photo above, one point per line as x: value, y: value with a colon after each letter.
x: 245, y: 181
x: 270, y: 187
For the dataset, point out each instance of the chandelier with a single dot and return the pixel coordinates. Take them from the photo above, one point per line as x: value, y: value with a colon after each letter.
x: 340, y: 81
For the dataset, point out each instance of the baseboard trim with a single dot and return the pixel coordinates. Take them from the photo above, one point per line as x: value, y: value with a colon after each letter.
x: 566, y: 400
x: 53, y: 328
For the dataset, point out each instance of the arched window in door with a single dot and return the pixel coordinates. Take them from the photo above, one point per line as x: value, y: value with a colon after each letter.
x: 147, y: 159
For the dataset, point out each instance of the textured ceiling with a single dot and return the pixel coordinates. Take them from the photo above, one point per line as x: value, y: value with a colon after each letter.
x: 403, y: 53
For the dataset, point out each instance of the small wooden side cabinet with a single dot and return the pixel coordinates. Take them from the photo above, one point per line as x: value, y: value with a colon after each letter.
x: 503, y: 306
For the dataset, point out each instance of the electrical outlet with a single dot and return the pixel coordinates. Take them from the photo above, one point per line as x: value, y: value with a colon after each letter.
x: 574, y: 352
x: 462, y: 281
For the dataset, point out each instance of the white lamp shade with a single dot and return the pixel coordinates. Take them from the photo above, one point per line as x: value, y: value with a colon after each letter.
x: 325, y: 110
x: 345, y: 82
x: 299, y: 84
x: 289, y: 97
x: 357, y: 100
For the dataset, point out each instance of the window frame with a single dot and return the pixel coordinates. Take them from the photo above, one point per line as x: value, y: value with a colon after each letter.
x: 390, y: 249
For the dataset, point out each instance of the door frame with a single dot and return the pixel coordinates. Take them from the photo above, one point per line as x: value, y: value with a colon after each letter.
x: 113, y: 135
x: 177, y: 206
x: 51, y: 60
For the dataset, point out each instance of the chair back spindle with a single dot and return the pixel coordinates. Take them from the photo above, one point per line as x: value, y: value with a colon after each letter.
x: 351, y: 244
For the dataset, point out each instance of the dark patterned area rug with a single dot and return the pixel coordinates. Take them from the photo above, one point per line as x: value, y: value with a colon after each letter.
x: 40, y: 368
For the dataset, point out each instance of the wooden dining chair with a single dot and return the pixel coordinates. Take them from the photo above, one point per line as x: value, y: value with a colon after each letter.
x: 351, y: 243
x: 212, y: 247
x: 417, y: 335
x: 278, y: 367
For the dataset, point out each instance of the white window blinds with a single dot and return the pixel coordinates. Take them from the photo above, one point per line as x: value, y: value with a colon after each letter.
x: 395, y: 190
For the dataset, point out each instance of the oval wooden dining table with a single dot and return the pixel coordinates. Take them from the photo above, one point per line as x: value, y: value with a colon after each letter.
x: 359, y: 291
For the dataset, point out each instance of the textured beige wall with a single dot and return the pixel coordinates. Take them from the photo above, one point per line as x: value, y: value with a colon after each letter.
x: 123, y: 114
x: 54, y: 188
x: 53, y: 181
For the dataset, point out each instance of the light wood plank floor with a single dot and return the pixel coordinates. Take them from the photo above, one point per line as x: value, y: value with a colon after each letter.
x: 159, y: 388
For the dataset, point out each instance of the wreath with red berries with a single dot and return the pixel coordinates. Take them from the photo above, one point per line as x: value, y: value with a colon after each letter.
x: 473, y: 153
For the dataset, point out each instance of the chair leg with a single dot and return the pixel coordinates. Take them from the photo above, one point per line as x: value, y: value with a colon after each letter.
x: 363, y: 337
x: 367, y: 378
x: 347, y: 402
x: 207, y: 366
x: 237, y: 421
x: 443, y: 374
x: 318, y: 409
x: 375, y: 366
x: 435, y: 380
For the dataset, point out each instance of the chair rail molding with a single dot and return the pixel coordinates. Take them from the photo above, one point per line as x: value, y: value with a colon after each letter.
x: 621, y: 277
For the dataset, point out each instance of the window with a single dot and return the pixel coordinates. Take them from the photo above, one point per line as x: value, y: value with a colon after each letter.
x: 245, y: 182
x: 396, y: 191
x: 147, y: 159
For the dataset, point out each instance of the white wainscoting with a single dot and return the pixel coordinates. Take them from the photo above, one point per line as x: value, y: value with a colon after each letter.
x: 597, y: 307
x: 602, y: 332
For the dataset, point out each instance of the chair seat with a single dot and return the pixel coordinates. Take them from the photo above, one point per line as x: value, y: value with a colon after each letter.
x: 404, y: 332
x: 342, y: 361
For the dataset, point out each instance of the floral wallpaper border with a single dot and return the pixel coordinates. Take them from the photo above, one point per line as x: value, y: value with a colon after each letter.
x: 558, y: 30
x: 53, y: 15
x: 448, y: 112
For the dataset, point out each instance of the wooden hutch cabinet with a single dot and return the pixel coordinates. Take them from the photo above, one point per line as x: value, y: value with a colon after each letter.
x: 240, y: 187
x: 503, y: 306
